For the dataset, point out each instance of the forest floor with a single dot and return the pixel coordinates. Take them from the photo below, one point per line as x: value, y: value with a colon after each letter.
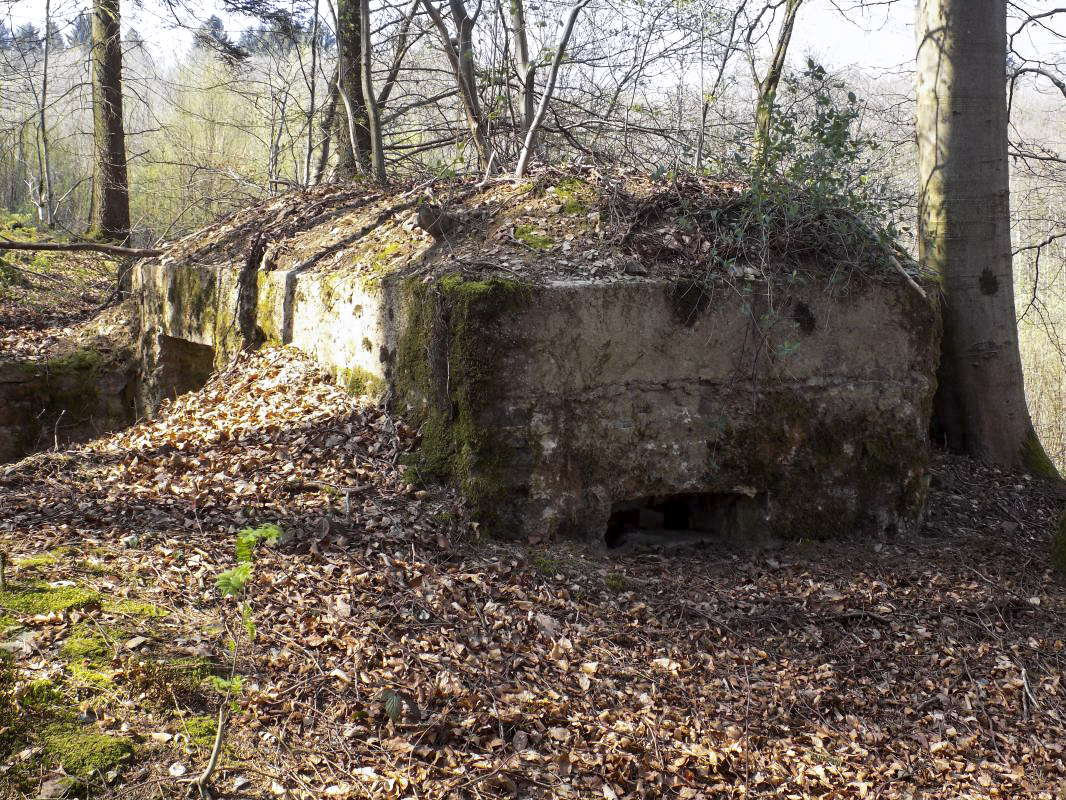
x: 386, y: 650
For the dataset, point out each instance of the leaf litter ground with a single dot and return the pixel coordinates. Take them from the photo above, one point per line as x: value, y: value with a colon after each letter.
x: 397, y: 655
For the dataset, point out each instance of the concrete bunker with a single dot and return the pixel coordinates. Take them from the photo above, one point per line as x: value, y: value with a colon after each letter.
x: 578, y: 395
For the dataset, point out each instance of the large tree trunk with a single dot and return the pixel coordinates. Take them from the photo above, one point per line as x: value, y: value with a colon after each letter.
x: 111, y: 201
x: 964, y: 229
x: 352, y: 144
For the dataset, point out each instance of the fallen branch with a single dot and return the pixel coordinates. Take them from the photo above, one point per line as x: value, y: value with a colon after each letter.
x: 203, y: 781
x: 109, y: 249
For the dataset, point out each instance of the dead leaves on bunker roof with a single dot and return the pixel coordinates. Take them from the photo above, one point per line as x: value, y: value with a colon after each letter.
x: 398, y: 656
x: 559, y: 225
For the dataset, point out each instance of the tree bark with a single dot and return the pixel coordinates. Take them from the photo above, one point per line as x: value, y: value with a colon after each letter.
x: 964, y: 229
x: 377, y: 145
x: 352, y: 134
x: 46, y: 167
x: 111, y: 199
x: 764, y: 109
x: 460, y: 55
x: 549, y: 89
x: 527, y: 72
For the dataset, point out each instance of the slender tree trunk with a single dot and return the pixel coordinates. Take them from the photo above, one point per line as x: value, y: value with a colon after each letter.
x: 549, y: 89
x: 764, y: 110
x: 111, y: 189
x: 377, y: 149
x: 311, y: 101
x: 49, y: 193
x: 351, y: 134
x: 461, y: 57
x: 527, y: 73
x: 964, y: 229
x: 328, y: 127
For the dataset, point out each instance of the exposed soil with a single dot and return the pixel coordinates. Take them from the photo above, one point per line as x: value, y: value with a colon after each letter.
x: 397, y: 655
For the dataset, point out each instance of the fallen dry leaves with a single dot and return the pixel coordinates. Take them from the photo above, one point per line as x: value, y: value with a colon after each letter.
x: 398, y: 656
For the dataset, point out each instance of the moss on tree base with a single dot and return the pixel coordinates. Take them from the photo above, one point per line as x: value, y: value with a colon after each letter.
x: 1058, y: 548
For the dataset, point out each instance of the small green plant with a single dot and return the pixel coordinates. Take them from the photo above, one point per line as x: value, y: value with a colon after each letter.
x: 817, y: 169
x: 616, y: 582
x: 545, y: 565
x: 233, y: 583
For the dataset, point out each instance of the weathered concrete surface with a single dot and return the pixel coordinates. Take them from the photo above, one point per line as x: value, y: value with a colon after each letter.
x: 555, y: 404
x: 796, y: 411
x: 191, y: 312
x: 66, y: 399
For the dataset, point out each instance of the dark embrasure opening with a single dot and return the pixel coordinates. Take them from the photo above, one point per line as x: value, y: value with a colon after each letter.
x: 673, y: 516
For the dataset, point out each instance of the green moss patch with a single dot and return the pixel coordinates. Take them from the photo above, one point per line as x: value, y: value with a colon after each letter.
x: 533, y: 238
x: 358, y: 381
x: 571, y: 193
x: 38, y: 561
x: 617, y: 583
x: 545, y: 564
x: 1035, y: 459
x: 85, y: 644
x: 8, y: 680
x: 200, y: 730
x: 45, y: 599
x: 82, y: 751
x: 41, y: 696
x: 87, y: 677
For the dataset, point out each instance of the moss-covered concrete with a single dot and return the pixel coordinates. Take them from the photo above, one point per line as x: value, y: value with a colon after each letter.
x: 69, y: 397
x: 547, y: 405
x: 45, y: 599
x: 448, y: 378
x: 82, y: 751
x: 794, y: 396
